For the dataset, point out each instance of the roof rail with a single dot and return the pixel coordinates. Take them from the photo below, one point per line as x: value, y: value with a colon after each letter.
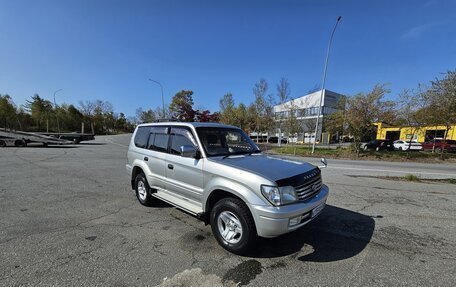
x: 166, y: 120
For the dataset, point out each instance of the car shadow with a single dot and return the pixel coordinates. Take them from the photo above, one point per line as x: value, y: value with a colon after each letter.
x: 40, y: 146
x: 336, y: 234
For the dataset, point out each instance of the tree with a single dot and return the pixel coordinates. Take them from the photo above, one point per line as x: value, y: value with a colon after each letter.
x: 283, y: 95
x: 145, y: 116
x: 292, y: 124
x: 441, y: 102
x: 259, y: 90
x: 206, y: 116
x: 362, y: 110
x: 412, y: 112
x: 241, y: 116
x: 40, y: 110
x: 7, y: 111
x: 227, y: 110
x: 181, y: 106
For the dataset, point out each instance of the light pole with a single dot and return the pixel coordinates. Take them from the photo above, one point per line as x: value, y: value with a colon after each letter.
x: 163, y: 100
x: 323, y: 84
x: 55, y: 107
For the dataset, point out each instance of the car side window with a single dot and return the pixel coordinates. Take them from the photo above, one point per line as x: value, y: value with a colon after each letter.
x: 160, y: 139
x: 141, y: 137
x: 180, y: 137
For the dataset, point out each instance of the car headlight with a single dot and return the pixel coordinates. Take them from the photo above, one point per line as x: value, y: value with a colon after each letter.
x: 279, y: 195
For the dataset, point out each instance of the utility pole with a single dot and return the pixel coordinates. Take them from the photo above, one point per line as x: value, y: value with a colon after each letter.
x: 163, y: 100
x: 323, y: 84
x: 55, y: 107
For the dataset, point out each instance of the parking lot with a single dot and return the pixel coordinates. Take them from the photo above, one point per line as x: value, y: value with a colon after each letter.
x: 68, y: 216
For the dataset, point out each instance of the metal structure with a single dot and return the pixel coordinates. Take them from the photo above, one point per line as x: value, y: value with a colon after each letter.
x: 22, y: 139
x: 324, y: 81
x: 163, y: 99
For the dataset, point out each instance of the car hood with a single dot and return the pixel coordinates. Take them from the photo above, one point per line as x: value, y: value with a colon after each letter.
x: 272, y: 168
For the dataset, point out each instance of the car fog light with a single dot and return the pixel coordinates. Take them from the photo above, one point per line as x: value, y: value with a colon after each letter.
x: 295, y: 220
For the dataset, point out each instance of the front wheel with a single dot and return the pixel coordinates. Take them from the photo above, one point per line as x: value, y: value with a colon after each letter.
x: 233, y: 226
x: 143, y: 190
x: 2, y: 143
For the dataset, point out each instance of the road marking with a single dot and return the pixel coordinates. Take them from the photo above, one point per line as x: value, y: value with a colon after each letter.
x: 392, y: 171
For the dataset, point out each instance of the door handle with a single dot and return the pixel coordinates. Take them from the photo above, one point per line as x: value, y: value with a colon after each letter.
x: 170, y: 166
x: 146, y: 158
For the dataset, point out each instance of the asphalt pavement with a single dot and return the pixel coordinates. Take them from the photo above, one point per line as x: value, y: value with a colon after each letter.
x: 68, y: 217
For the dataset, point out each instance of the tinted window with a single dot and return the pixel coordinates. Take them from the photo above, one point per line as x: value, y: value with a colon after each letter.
x: 151, y: 140
x: 180, y: 137
x: 161, y: 142
x: 160, y: 136
x: 141, y: 137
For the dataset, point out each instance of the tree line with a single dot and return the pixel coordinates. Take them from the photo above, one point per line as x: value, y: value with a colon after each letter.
x: 432, y: 104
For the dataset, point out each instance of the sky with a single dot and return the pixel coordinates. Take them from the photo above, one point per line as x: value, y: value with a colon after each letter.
x: 108, y: 49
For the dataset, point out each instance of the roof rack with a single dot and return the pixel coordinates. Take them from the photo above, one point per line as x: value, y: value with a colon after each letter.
x: 166, y: 120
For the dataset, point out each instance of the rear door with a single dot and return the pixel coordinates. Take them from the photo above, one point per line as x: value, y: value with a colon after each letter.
x: 184, y: 175
x: 156, y: 156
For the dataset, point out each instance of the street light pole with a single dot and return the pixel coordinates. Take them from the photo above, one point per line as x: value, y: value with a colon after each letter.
x: 55, y: 107
x: 163, y: 100
x: 324, y: 81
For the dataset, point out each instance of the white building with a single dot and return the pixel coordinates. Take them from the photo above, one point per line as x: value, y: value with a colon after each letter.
x: 306, y: 112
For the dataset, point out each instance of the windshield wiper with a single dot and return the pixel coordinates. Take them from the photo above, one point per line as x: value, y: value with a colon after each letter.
x: 255, y: 151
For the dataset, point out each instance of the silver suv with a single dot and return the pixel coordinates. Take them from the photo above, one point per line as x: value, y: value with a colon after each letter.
x: 218, y: 174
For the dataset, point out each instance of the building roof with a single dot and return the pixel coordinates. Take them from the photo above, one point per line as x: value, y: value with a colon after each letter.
x: 330, y: 99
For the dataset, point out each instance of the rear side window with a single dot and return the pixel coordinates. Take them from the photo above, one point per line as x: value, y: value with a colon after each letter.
x: 160, y: 137
x: 180, y: 137
x: 141, y: 137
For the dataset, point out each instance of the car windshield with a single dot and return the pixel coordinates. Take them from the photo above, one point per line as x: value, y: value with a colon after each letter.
x: 225, y: 141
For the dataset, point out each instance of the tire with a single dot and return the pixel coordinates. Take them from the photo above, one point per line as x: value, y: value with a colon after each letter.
x: 377, y: 149
x: 2, y: 143
x: 438, y: 149
x: 400, y: 148
x: 233, y: 226
x: 142, y: 190
x: 20, y: 143
x: 76, y: 141
x: 365, y: 148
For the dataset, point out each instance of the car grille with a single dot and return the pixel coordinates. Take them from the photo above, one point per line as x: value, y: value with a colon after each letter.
x: 310, y: 188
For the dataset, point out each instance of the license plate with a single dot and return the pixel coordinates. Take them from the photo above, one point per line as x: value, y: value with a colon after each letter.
x: 318, y: 209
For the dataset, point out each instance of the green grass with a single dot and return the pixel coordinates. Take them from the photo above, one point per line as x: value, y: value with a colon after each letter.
x: 412, y: 177
x: 347, y: 153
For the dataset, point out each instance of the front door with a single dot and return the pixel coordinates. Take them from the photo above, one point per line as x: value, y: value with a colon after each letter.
x: 184, y: 175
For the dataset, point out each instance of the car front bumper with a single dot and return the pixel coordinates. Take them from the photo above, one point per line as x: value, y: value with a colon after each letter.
x: 272, y: 221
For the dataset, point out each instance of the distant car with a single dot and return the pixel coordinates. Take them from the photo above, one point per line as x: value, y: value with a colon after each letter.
x: 406, y: 145
x: 276, y: 140
x: 438, y: 145
x: 378, y: 145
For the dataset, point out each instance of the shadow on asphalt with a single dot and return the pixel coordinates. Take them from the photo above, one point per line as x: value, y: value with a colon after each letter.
x: 40, y: 146
x: 336, y: 234
x: 92, y: 143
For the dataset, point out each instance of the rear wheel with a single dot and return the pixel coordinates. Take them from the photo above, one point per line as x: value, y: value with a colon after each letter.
x: 143, y: 190
x: 400, y: 148
x: 20, y: 143
x: 233, y: 226
x: 438, y: 149
x: 2, y: 143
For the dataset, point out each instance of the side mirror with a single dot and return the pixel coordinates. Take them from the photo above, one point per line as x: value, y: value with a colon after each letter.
x: 324, y: 162
x: 188, y: 151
